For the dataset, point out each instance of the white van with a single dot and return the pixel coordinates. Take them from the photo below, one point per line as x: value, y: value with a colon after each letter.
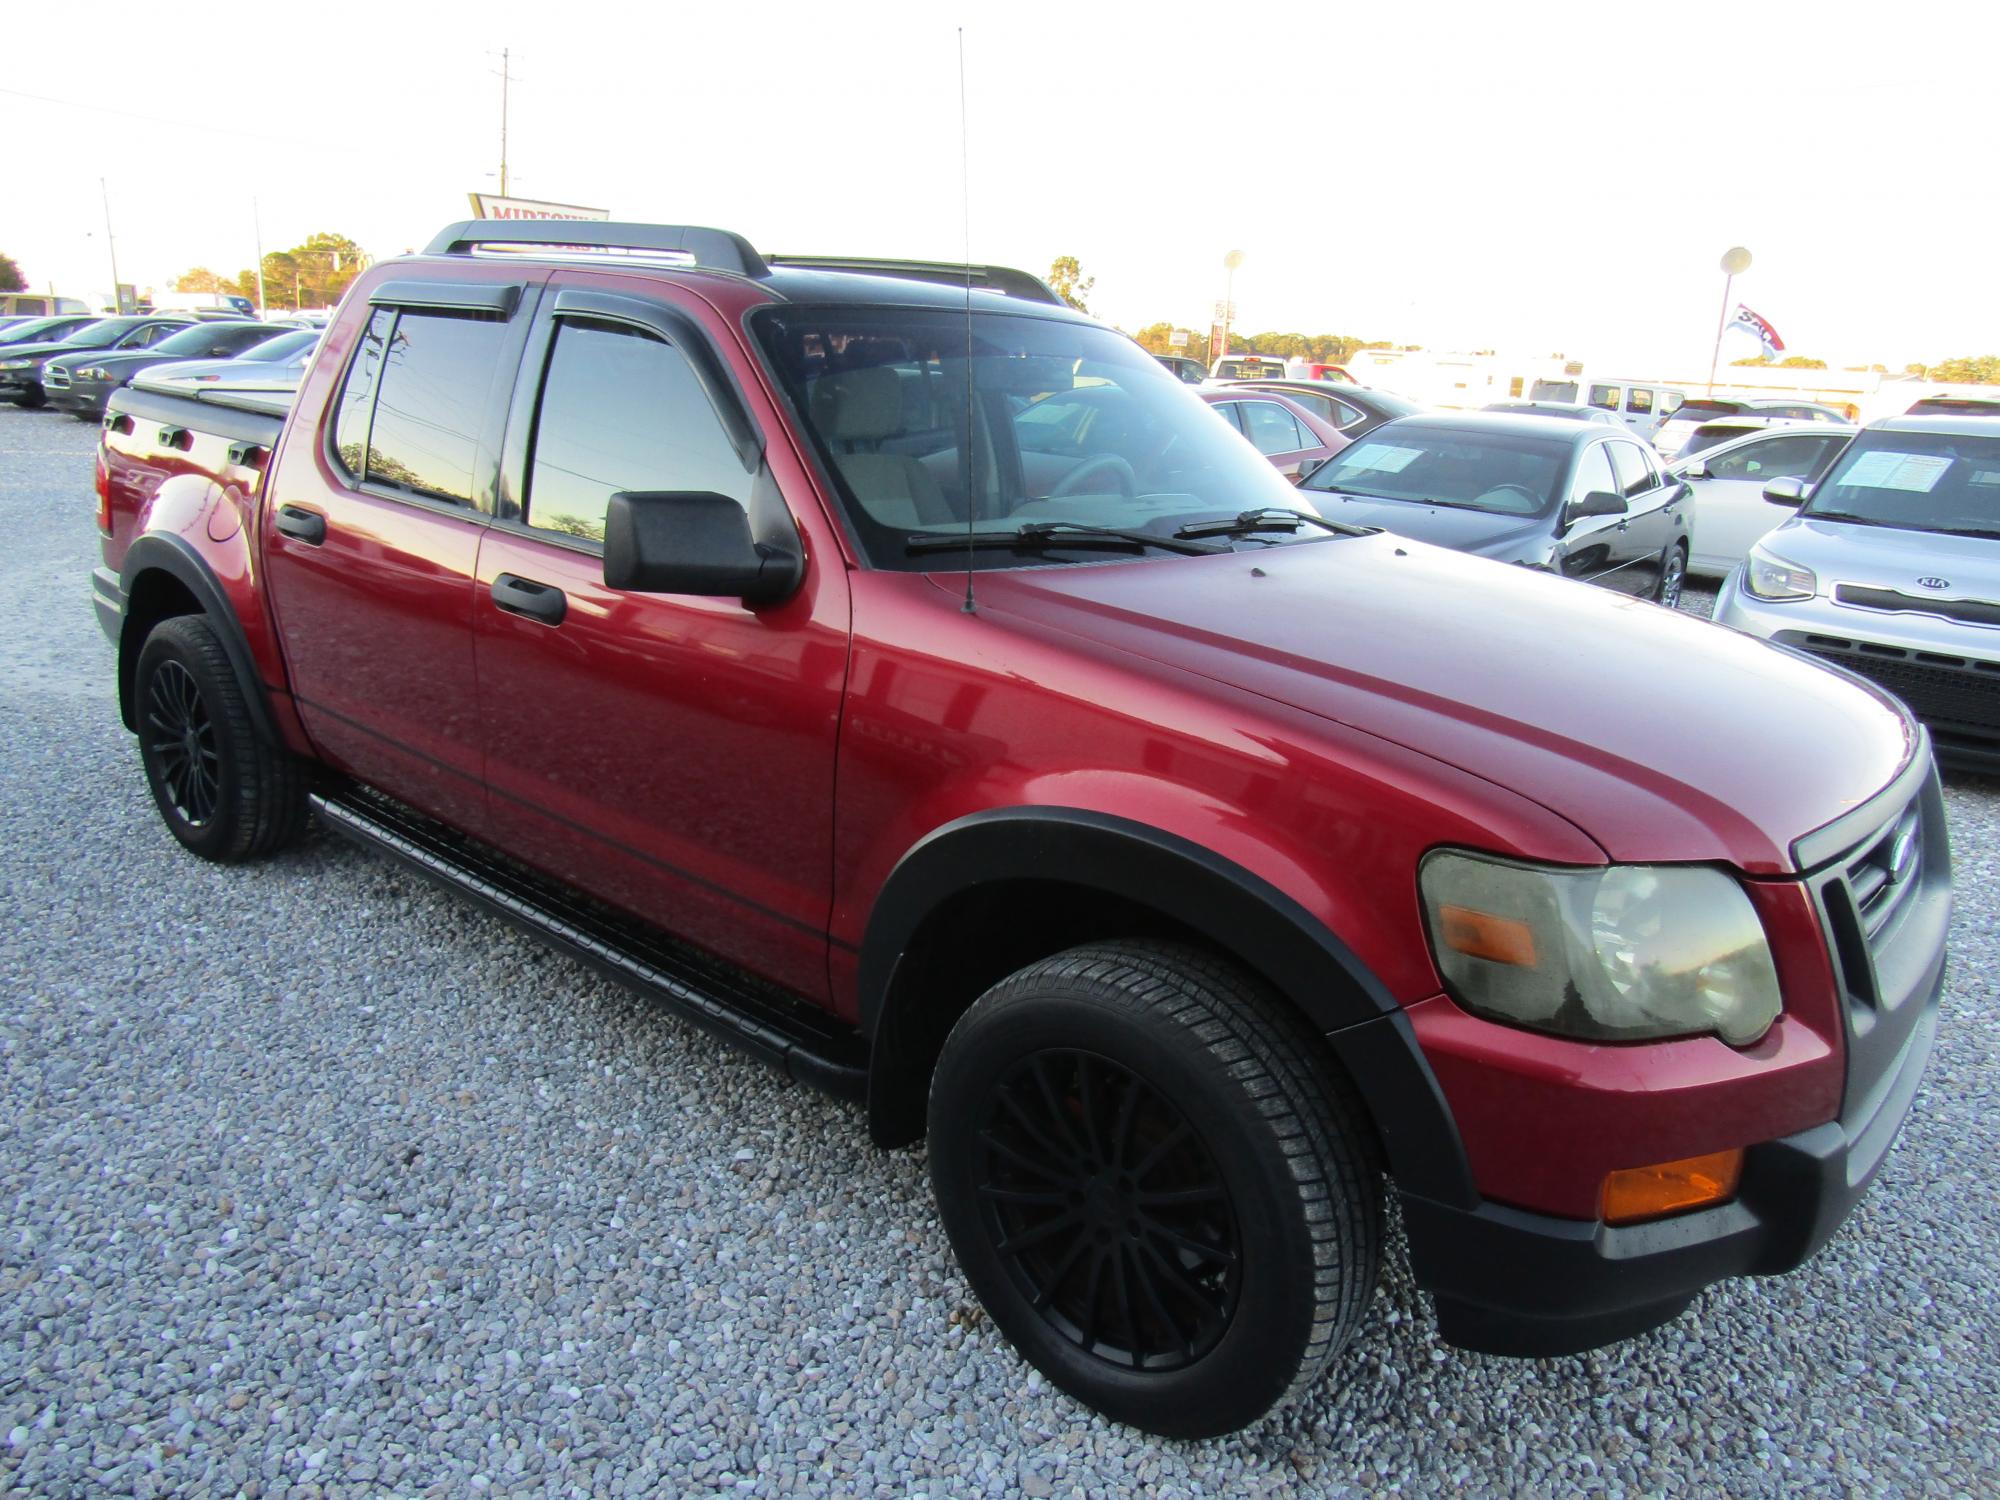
x: 39, y: 305
x: 1642, y: 405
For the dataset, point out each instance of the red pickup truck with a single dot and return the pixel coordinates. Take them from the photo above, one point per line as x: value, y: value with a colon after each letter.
x: 1185, y: 865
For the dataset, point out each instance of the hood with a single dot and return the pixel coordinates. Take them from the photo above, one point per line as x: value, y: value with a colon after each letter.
x: 1885, y: 557
x: 1660, y: 735
x: 42, y: 351
x: 1462, y: 530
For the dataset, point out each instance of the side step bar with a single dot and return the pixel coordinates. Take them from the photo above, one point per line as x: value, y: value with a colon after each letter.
x: 810, y: 1045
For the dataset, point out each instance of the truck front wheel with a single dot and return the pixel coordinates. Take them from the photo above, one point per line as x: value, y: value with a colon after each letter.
x: 225, y: 793
x: 1160, y: 1198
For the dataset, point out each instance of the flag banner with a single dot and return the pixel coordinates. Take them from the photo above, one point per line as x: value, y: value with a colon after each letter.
x: 1758, y: 328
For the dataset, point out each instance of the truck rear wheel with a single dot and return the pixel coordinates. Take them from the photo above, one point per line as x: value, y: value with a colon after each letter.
x: 1159, y: 1198
x: 225, y: 793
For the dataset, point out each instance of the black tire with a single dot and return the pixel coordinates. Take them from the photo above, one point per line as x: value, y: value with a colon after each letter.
x: 1673, y: 576
x: 1160, y: 1196
x: 32, y: 397
x: 225, y: 793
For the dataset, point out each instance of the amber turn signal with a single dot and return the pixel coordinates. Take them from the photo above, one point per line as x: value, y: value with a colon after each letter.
x: 1693, y: 1182
x: 1479, y: 934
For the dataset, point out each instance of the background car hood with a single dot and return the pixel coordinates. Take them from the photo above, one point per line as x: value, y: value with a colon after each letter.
x: 1660, y: 735
x: 41, y: 351
x: 1884, y: 557
x: 1479, y: 531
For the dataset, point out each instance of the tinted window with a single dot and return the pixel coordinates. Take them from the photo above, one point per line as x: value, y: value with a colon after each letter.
x: 146, y: 337
x: 1701, y: 410
x: 1273, y: 429
x: 1635, y: 475
x: 350, y: 422
x: 1554, y: 390
x: 424, y: 436
x: 204, y: 337
x: 1323, y: 406
x: 1639, y: 399
x: 1593, y: 472
x: 621, y: 410
x: 1604, y: 397
x: 1345, y: 415
x: 1799, y: 457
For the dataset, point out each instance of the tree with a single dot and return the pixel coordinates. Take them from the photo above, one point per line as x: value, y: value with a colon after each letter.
x: 1756, y: 359
x: 1158, y: 338
x: 313, y: 274
x: 1983, y: 369
x: 201, y: 279
x: 11, y: 279
x: 1067, y: 281
x: 1800, y: 362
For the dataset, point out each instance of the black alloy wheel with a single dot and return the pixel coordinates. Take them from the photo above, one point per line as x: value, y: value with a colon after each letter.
x: 1109, y: 1211
x: 1158, y: 1182
x: 179, y: 736
x: 224, y: 790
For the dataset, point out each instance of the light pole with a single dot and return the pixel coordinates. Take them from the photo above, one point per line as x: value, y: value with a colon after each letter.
x: 1229, y: 264
x: 257, y: 222
x: 1735, y: 261
x: 117, y: 297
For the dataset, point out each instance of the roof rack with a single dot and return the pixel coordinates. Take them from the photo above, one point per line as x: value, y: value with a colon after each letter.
x: 1000, y: 279
x: 711, y: 249
x: 721, y: 250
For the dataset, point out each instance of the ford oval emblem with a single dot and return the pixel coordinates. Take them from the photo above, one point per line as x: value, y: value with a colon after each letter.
x: 1935, y: 583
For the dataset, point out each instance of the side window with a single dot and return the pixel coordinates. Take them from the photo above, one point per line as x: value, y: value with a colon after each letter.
x: 357, y: 395
x: 1272, y: 428
x: 146, y: 337
x: 1639, y: 399
x: 1345, y: 415
x: 1635, y: 475
x: 1593, y: 472
x: 1797, y: 457
x: 431, y: 403
x: 1231, y: 412
x: 1603, y: 397
x: 621, y: 410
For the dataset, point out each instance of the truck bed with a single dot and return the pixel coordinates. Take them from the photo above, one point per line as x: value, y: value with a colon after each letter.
x: 151, y: 437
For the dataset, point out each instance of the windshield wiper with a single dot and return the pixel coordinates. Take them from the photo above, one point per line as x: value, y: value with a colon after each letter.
x: 1045, y: 534
x: 1271, y: 518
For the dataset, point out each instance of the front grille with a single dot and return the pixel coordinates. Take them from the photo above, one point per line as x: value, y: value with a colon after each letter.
x: 55, y: 377
x: 1885, y: 875
x: 1959, y: 692
x: 1970, y: 611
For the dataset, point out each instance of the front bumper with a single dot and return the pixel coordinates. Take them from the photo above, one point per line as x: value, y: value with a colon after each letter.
x: 86, y: 398
x: 1510, y: 1281
x: 1946, y: 671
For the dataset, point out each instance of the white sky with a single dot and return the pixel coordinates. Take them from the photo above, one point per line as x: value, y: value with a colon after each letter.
x: 1529, y: 177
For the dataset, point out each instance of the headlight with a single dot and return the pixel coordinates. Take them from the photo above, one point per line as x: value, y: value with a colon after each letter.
x: 95, y: 372
x: 1769, y: 577
x: 1624, y: 953
x: 15, y: 364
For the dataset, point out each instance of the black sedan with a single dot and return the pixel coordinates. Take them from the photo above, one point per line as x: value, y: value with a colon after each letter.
x: 1352, y: 409
x: 82, y: 382
x: 1575, y: 498
x: 21, y: 364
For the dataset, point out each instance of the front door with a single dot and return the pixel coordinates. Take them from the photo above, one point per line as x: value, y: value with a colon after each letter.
x: 372, y: 523
x: 672, y: 754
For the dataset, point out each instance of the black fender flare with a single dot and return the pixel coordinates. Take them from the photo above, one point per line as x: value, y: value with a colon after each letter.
x: 1235, y: 909
x: 160, y: 552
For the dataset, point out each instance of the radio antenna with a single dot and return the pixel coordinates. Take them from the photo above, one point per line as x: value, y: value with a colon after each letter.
x: 965, y: 204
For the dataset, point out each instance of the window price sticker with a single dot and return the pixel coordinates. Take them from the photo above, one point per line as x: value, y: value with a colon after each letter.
x: 1381, y: 456
x: 1897, y: 471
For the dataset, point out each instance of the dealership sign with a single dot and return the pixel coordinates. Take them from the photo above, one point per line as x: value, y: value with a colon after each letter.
x: 492, y: 206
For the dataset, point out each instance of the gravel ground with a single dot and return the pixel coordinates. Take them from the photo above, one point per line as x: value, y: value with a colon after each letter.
x: 319, y: 1182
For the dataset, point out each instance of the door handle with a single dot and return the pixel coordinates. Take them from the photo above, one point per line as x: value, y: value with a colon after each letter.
x: 301, y: 525
x: 524, y: 596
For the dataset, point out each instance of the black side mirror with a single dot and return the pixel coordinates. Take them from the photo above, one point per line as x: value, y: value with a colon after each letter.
x: 1786, y: 489
x: 693, y: 542
x: 1597, y: 503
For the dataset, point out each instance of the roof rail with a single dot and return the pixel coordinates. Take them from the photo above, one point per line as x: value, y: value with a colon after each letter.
x: 1000, y: 279
x: 711, y: 249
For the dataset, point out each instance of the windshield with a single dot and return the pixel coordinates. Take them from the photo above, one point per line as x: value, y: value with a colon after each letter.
x: 1069, y: 422
x: 34, y: 331
x: 1502, y: 473
x: 1701, y: 410
x: 1553, y: 390
x: 1916, y: 481
x: 100, y: 335
x: 283, y: 347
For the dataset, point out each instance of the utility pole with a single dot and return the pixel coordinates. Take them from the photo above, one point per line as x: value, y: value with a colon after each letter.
x: 506, y: 77
x: 111, y: 240
x: 257, y: 219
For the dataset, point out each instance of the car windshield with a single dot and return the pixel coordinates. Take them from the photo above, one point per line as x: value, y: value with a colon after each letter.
x: 1504, y: 473
x: 283, y: 347
x: 199, y: 339
x: 1709, y: 434
x: 34, y: 331
x: 1701, y: 410
x: 1915, y: 481
x: 101, y: 335
x: 1553, y: 390
x: 1069, y: 423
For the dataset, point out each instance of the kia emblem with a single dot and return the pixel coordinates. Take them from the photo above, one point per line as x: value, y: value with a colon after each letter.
x: 1935, y: 583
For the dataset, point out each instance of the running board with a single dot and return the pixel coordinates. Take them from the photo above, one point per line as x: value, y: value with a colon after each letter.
x: 810, y: 1045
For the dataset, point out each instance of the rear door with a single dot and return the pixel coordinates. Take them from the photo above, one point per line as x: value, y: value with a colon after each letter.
x: 671, y: 754
x: 1648, y: 527
x: 1730, y: 511
x: 372, y: 522
x: 1593, y: 546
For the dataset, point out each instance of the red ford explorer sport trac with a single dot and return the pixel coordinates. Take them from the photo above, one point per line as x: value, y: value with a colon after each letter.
x: 781, y: 636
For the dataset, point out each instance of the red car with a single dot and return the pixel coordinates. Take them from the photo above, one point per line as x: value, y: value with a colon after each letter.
x: 914, y: 685
x: 1296, y: 440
